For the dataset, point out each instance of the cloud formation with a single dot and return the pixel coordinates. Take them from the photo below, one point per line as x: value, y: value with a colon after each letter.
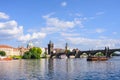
x: 63, y: 4
x: 3, y: 16
x: 68, y: 31
x: 33, y: 36
x: 54, y: 24
x: 94, y: 43
x: 69, y: 34
x: 99, y: 30
x: 10, y: 29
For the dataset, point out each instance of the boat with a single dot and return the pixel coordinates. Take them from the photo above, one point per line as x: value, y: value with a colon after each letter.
x: 5, y: 58
x: 97, y: 58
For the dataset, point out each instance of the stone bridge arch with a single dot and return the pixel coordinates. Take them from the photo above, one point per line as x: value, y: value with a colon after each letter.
x: 77, y: 55
x: 57, y: 55
x: 84, y: 55
x: 106, y: 52
x: 116, y: 53
x: 111, y: 51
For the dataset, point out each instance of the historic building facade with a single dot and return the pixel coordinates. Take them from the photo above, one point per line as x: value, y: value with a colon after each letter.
x: 9, y: 50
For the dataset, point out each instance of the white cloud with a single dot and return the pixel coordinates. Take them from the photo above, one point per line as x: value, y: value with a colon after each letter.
x: 94, y: 43
x: 75, y: 15
x: 3, y: 16
x: 54, y: 24
x: 50, y: 30
x: 96, y: 15
x: 78, y: 14
x: 78, y: 22
x: 32, y: 30
x: 24, y: 38
x: 69, y: 34
x: 98, y: 30
x: 103, y: 37
x: 10, y: 29
x: 114, y: 33
x: 38, y: 35
x: 64, y: 4
x: 33, y: 36
x: 8, y: 25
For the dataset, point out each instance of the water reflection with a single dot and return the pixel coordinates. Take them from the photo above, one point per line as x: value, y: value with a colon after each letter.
x: 50, y: 65
x: 50, y: 69
x: 60, y: 69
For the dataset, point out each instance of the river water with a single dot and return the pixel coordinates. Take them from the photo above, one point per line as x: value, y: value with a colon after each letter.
x: 60, y: 69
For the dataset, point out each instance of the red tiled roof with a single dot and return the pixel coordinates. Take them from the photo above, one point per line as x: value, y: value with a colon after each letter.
x: 5, y: 46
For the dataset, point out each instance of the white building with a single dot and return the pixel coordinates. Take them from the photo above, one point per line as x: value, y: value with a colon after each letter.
x: 43, y: 52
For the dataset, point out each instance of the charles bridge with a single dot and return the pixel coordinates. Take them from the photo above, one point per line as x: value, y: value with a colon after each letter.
x: 106, y: 52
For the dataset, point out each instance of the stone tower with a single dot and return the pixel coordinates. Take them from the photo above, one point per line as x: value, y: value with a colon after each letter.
x: 66, y: 47
x: 50, y: 47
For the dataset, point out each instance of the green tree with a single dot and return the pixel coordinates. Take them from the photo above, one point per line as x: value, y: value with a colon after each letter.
x: 99, y: 54
x: 33, y: 53
x: 27, y: 55
x: 2, y: 53
x: 68, y: 51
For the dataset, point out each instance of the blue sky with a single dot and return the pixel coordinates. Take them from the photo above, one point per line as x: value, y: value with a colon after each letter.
x: 83, y: 24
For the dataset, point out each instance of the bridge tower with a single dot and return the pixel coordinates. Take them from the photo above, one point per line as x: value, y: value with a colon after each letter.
x: 66, y: 47
x: 107, y: 51
x: 50, y: 47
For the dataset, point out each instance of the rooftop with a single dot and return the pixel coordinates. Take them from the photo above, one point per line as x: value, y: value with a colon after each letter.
x: 5, y: 46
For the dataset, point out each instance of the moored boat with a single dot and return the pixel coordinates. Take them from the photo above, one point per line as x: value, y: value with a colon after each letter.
x: 97, y: 58
x: 5, y: 58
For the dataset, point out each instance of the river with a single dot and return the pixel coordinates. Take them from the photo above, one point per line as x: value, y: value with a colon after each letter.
x: 60, y: 69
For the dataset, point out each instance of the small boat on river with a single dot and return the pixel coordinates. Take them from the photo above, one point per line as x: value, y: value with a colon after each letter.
x: 5, y: 58
x: 97, y: 58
